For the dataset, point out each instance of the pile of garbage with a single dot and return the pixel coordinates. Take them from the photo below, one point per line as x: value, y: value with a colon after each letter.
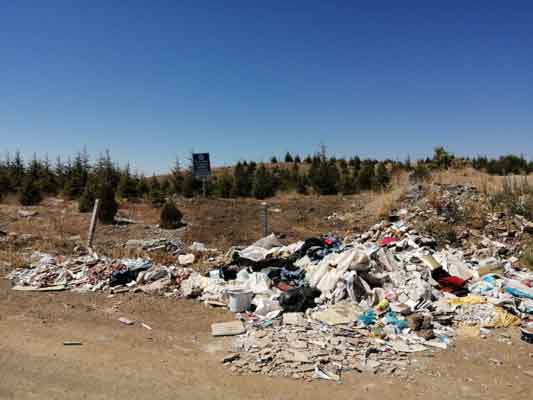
x: 92, y: 272
x: 321, y: 307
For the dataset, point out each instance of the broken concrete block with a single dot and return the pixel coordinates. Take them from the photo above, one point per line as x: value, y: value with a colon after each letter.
x: 227, y: 328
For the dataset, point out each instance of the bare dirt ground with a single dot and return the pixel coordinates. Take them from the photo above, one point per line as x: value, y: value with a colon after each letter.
x: 179, y: 360
x: 221, y: 222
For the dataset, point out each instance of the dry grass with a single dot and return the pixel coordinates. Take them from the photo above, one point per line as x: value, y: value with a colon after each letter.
x: 485, y: 183
x: 381, y: 204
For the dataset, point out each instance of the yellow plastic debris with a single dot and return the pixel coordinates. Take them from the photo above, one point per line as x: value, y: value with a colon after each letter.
x: 503, y: 319
x: 467, y: 300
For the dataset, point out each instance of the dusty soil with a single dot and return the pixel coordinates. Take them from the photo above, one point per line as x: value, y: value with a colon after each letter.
x: 219, y: 223
x: 179, y: 360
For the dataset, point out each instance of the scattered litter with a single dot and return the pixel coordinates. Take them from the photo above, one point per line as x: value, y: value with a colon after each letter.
x: 126, y: 321
x: 145, y: 326
x: 26, y: 213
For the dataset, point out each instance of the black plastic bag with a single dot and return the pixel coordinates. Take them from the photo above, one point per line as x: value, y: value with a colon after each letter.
x: 299, y: 299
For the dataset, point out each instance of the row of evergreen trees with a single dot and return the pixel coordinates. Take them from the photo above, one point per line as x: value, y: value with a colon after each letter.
x: 80, y: 179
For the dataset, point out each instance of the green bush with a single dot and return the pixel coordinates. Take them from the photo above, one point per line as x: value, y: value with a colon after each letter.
x: 108, y: 205
x: 29, y: 193
x: 170, y: 217
x: 263, y: 184
x: 86, y: 201
x: 420, y: 174
x: 156, y: 197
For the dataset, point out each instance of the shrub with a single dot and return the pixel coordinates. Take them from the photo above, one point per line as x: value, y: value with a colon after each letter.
x: 224, y: 185
x: 156, y: 197
x: 170, y: 216
x: 86, y: 201
x: 301, y: 185
x: 29, y: 193
x: 420, y: 173
x: 189, y: 186
x: 108, y: 205
x: 263, y: 186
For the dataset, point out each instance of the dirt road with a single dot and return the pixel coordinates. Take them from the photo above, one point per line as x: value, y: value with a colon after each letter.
x: 179, y: 360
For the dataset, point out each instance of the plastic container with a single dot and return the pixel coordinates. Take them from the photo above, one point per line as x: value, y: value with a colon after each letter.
x: 239, y: 300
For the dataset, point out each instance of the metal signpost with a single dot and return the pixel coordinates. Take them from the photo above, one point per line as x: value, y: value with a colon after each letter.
x: 201, y: 168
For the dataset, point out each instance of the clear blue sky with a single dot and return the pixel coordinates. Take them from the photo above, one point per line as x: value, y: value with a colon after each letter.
x: 154, y: 79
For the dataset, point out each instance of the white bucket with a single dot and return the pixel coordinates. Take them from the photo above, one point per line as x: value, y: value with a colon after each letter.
x: 239, y: 300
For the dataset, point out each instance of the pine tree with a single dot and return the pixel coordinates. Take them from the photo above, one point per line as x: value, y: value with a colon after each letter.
x: 165, y: 187
x: 308, y: 159
x: 262, y: 184
x: 297, y: 159
x: 48, y: 181
x: 294, y: 176
x: 177, y: 178
x: 356, y: 163
x: 224, y: 186
x: 170, y: 217
x: 16, y: 171
x: 143, y: 188
x: 108, y: 204
x: 87, y: 199
x: 77, y: 175
x: 347, y: 184
x: 242, y: 180
x: 189, y: 185
x: 127, y: 186
x: 106, y: 171
x: 324, y: 175
x: 382, y: 177
x: 29, y: 193
x: 365, y: 177
x: 156, y: 195
x: 5, y: 186
x: 273, y: 160
x: 288, y: 158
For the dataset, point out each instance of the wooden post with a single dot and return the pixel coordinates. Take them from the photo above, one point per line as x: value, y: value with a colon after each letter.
x: 264, y: 219
x: 92, y: 227
x: 204, y: 186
